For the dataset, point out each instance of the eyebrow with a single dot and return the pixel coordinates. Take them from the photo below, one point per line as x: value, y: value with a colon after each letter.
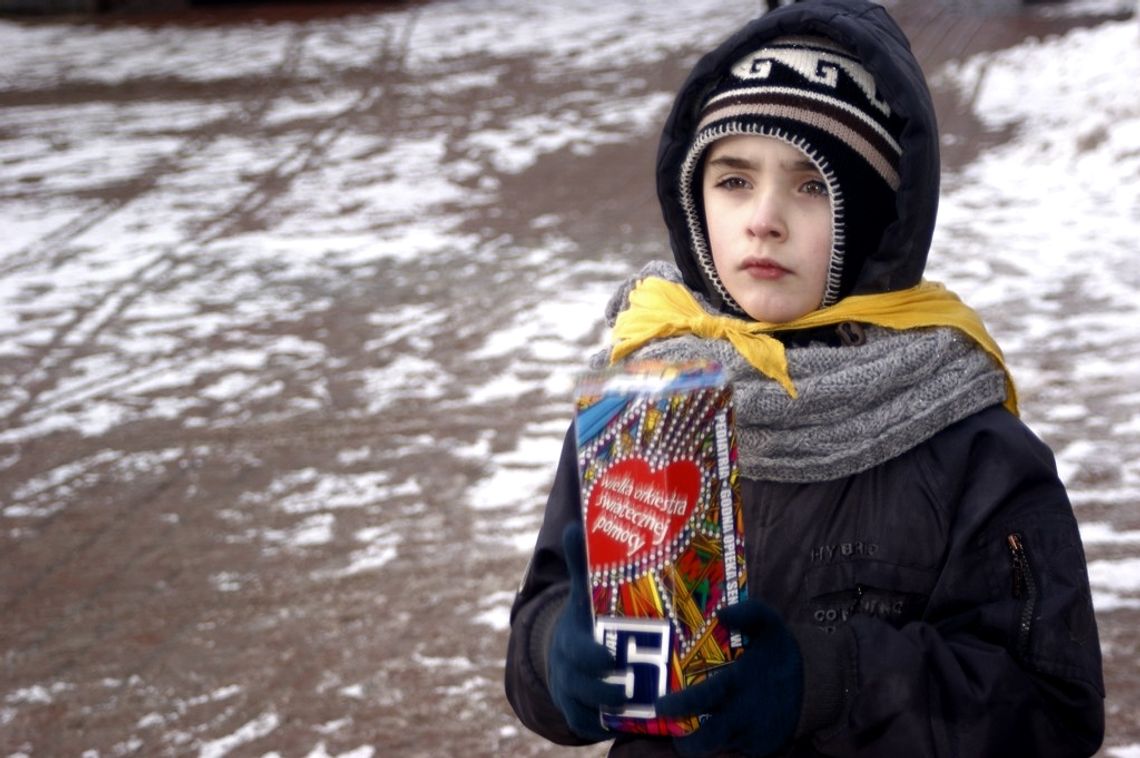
x: 732, y: 161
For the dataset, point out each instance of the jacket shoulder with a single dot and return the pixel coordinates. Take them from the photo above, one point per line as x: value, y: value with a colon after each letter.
x: 992, y: 445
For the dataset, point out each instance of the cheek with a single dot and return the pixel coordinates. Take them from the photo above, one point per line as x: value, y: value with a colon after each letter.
x: 718, y: 224
x: 820, y: 240
x: 817, y: 253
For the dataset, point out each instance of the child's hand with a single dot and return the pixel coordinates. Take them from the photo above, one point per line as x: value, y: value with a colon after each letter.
x: 578, y: 664
x: 753, y: 704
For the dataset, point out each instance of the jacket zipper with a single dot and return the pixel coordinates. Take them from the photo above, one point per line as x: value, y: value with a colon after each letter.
x: 1024, y: 588
x: 856, y: 602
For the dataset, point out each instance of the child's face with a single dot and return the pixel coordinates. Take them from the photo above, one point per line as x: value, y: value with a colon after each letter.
x: 769, y: 222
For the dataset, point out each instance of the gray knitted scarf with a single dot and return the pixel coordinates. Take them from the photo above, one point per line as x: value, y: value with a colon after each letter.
x: 858, y: 406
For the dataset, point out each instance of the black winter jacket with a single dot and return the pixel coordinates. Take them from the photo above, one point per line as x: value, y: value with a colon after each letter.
x: 940, y: 599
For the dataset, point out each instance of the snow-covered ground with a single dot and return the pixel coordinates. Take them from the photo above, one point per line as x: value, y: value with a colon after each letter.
x: 289, y: 314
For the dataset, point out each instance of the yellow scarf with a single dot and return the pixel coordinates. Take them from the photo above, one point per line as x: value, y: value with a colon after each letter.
x: 660, y: 309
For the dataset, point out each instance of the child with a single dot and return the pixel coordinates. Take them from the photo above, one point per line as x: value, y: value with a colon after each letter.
x: 917, y: 584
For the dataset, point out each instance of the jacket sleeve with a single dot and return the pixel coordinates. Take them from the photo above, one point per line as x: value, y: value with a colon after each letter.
x: 1005, y: 659
x: 540, y: 599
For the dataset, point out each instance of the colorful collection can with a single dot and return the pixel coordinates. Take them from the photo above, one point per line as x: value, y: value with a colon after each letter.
x: 657, y: 464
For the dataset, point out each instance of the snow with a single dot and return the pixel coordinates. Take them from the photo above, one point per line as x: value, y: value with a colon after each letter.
x: 1100, y: 533
x: 498, y: 611
x: 204, y: 298
x: 250, y: 731
x: 381, y: 546
x: 1122, y: 575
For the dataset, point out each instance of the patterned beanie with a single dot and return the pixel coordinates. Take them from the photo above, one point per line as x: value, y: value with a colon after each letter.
x: 817, y: 96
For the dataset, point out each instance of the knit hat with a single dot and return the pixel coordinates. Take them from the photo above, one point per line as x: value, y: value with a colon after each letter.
x: 817, y: 96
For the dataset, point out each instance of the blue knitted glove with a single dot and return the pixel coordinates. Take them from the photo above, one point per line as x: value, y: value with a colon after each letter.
x: 578, y: 664
x: 753, y: 704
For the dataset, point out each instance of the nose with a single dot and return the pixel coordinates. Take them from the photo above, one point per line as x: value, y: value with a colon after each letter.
x: 766, y: 220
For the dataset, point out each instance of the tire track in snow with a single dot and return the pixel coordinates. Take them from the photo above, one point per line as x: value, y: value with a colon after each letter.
x: 88, y: 323
x: 250, y: 112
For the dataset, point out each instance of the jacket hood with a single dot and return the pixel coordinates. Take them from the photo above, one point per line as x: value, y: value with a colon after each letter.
x: 868, y: 31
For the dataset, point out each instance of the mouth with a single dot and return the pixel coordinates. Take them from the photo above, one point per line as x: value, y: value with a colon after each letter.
x: 762, y: 268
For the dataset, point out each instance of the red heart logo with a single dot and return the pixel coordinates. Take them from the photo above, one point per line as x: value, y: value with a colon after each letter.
x: 634, y: 510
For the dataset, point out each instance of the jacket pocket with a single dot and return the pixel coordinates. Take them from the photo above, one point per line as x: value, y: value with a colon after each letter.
x: 895, y: 594
x: 1053, y: 626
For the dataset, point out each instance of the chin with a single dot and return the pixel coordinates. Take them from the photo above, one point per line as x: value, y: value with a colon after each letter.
x: 774, y: 315
x: 778, y: 310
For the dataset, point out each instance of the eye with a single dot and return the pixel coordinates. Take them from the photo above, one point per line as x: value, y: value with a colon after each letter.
x: 732, y: 183
x: 815, y: 187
